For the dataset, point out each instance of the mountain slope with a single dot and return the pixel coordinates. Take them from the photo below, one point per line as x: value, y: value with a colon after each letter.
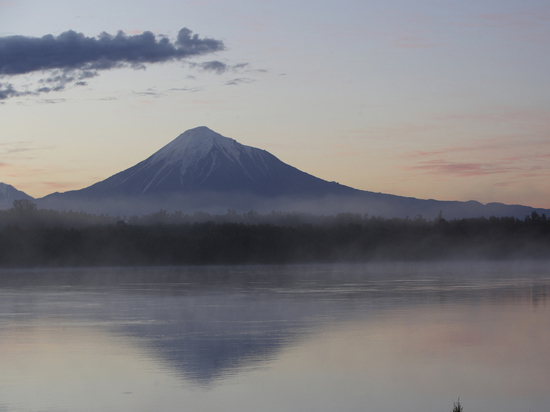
x: 8, y: 194
x: 203, y: 170
x: 201, y: 160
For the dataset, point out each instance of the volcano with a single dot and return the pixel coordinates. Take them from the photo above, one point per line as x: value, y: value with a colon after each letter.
x: 201, y: 170
x: 203, y: 161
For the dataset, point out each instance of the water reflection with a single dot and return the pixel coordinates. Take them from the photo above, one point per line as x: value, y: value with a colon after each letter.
x: 324, y: 337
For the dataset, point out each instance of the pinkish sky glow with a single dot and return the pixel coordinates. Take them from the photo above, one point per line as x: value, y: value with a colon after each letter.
x: 445, y: 100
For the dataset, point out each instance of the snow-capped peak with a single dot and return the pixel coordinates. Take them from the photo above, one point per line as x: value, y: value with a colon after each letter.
x: 203, y: 161
x: 194, y: 144
x: 192, y: 158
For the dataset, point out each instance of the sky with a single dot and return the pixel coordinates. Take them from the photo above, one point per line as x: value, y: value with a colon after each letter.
x: 431, y: 99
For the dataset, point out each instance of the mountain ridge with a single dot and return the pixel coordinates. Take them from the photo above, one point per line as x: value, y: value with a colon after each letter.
x: 201, y: 160
x: 201, y: 170
x: 8, y: 194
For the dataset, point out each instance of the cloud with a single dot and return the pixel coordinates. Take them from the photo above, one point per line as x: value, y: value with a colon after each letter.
x: 149, y: 92
x: 214, y: 66
x: 74, y: 51
x: 464, y: 169
x: 488, y: 146
x: 7, y: 91
x: 516, y: 159
x: 218, y: 67
x: 15, y: 148
x: 72, y: 58
x: 240, y: 80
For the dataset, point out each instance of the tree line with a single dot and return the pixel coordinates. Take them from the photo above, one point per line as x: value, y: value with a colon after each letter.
x: 32, y: 237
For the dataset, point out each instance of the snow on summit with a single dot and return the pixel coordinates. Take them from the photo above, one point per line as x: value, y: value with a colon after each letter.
x: 197, y: 160
x: 201, y: 151
x: 195, y: 144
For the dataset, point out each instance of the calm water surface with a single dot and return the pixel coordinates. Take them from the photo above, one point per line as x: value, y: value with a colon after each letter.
x: 399, y: 337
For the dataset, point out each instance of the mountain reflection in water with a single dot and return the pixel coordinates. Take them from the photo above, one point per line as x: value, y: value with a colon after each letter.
x: 204, y: 327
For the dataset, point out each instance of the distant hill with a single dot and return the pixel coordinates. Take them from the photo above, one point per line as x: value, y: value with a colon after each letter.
x: 203, y: 170
x: 8, y: 194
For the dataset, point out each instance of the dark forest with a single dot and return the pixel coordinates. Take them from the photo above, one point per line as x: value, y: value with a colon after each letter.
x: 34, y: 238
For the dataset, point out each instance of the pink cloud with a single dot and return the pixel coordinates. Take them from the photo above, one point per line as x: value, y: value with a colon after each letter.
x: 443, y: 167
x: 490, y: 146
x: 519, y: 168
x: 517, y: 157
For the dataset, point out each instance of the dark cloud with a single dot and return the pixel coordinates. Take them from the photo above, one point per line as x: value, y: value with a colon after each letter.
x: 74, y: 51
x: 186, y: 89
x: 215, y: 66
x: 7, y: 91
x: 53, y: 101
x: 71, y: 57
x: 240, y: 66
x: 150, y: 93
x: 219, y: 67
x: 55, y: 84
x: 240, y: 80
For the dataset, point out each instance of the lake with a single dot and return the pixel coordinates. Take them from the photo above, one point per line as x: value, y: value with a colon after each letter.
x: 368, y: 337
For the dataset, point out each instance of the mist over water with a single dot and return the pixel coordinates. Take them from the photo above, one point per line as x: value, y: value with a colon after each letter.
x: 291, y: 337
